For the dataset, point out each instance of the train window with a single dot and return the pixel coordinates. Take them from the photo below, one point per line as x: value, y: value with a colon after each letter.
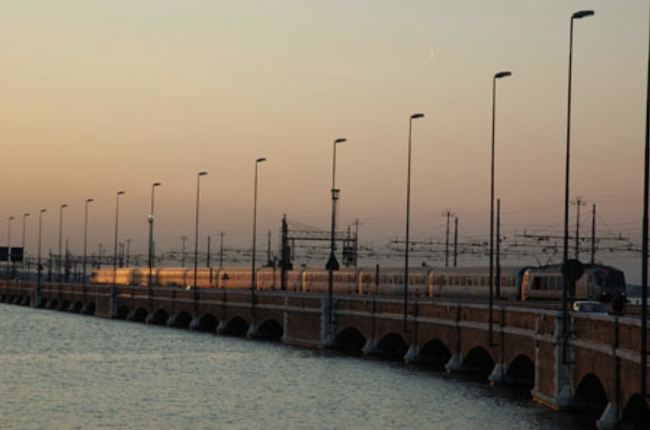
x: 537, y: 283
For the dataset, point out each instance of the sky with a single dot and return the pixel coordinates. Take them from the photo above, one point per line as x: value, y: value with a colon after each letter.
x: 102, y: 96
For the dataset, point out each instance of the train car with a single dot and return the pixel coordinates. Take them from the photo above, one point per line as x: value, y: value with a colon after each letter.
x: 140, y: 276
x: 317, y: 281
x: 173, y: 277
x: 271, y: 279
x: 206, y: 277
x: 475, y: 282
x: 391, y: 281
x: 598, y: 282
x: 234, y: 278
x: 123, y: 276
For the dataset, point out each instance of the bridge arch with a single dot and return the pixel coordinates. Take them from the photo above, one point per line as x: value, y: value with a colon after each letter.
x: 636, y: 413
x: 237, y: 326
x: 478, y: 361
x: 392, y: 346
x: 65, y: 305
x: 159, y: 318
x: 53, y: 303
x: 590, y: 396
x: 122, y: 313
x: 270, y: 330
x: 182, y: 320
x: 91, y: 308
x: 76, y: 307
x: 350, y: 339
x: 140, y: 315
x: 521, y: 372
x: 208, y: 322
x: 435, y: 353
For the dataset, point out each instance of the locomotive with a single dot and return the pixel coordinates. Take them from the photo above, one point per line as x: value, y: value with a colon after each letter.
x: 598, y: 282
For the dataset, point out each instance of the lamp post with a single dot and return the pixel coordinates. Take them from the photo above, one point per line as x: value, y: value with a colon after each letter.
x: 196, y: 233
x: 117, y: 219
x: 253, y: 277
x: 408, y: 216
x: 332, y: 265
x: 644, y: 245
x: 83, y: 274
x: 38, y: 264
x: 61, y: 241
x: 9, y: 247
x: 494, y: 109
x: 565, y: 257
x: 151, y: 219
x: 23, y: 245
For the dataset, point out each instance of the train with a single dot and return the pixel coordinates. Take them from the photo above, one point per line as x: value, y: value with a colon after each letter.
x: 525, y: 283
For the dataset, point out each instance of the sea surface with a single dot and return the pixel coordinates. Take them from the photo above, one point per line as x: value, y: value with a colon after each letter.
x: 67, y: 371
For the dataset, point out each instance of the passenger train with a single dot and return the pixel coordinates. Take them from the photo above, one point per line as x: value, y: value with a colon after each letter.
x: 599, y: 282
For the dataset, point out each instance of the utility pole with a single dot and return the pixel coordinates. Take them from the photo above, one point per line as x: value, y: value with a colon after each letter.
x: 578, y: 202
x: 356, y: 243
x: 183, y: 238
x: 498, y: 250
x: 447, y: 214
x: 221, y: 235
x: 593, y: 234
x: 207, y: 258
x: 268, y: 252
x: 128, y: 251
x: 455, y: 241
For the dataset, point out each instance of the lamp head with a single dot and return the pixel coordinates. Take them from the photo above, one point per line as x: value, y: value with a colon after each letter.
x: 417, y: 115
x: 260, y: 160
x: 156, y: 184
x: 340, y: 140
x: 43, y: 211
x: 120, y: 193
x: 583, y: 14
x: 502, y: 74
x: 89, y: 201
x: 203, y: 173
x: 64, y: 206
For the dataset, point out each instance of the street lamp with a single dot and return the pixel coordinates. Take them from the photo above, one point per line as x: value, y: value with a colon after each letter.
x: 61, y: 240
x: 253, y: 277
x: 332, y: 265
x: 9, y: 247
x: 408, y: 216
x: 151, y: 219
x: 38, y: 264
x: 565, y: 312
x: 83, y: 277
x: 494, y: 104
x: 644, y: 247
x: 196, y: 233
x: 23, y: 244
x: 117, y: 218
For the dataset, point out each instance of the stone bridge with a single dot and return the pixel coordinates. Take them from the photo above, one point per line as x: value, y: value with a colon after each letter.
x: 598, y: 375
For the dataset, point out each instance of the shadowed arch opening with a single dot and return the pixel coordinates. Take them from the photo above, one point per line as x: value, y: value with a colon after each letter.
x: 478, y: 361
x: 236, y: 327
x: 91, y: 309
x: 26, y: 301
x: 76, y: 308
x: 636, y: 414
x: 392, y: 346
x: 435, y: 353
x: 122, y: 313
x: 3, y: 298
x: 270, y: 330
x: 590, y: 397
x: 521, y: 372
x: 53, y: 304
x: 140, y: 315
x: 183, y: 320
x: 350, y: 340
x: 42, y: 304
x: 160, y: 317
x: 208, y: 322
x: 65, y: 305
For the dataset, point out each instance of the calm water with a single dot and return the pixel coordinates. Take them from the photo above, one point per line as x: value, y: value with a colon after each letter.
x: 64, y: 371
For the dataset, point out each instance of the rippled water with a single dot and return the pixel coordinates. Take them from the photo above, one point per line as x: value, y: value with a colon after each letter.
x: 64, y: 371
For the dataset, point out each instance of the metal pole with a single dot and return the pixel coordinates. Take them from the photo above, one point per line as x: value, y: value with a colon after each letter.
x: 593, y: 234
x: 9, y: 247
x: 196, y: 234
x: 408, y: 218
x: 644, y: 246
x: 492, y: 168
x: 23, y: 245
x: 151, y: 251
x: 83, y: 275
x: 221, y: 234
x: 117, y: 213
x: 447, y: 214
x: 565, y: 257
x: 332, y: 264
x: 38, y: 265
x: 60, y: 265
x: 455, y: 241
x: 253, y: 277
x: 498, y: 256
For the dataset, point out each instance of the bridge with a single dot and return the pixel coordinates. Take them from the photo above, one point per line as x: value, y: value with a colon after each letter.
x: 598, y: 374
